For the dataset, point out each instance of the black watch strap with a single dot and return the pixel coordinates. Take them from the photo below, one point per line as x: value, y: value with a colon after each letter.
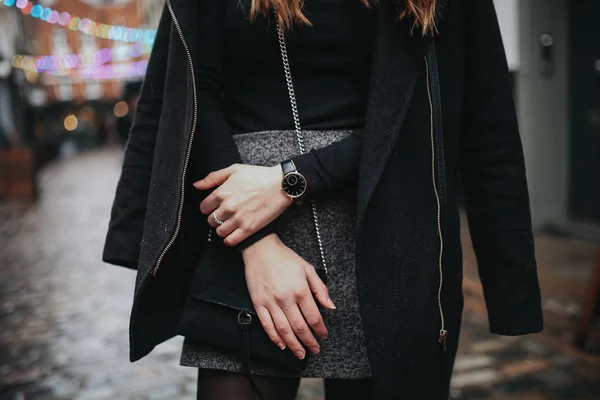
x: 288, y: 166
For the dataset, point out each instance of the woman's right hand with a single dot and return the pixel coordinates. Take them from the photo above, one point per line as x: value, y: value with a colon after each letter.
x: 281, y: 286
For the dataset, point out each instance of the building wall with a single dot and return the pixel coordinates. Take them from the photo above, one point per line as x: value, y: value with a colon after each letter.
x: 151, y: 10
x: 12, y: 40
x: 8, y: 21
x: 543, y: 104
x: 508, y: 17
x: 541, y: 92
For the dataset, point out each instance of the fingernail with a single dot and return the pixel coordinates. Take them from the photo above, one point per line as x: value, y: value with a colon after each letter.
x: 315, y: 350
x: 324, y: 337
x: 281, y: 346
x: 196, y: 184
x: 300, y: 355
x: 330, y: 302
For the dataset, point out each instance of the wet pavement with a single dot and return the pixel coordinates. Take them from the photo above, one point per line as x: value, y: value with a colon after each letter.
x: 64, y: 314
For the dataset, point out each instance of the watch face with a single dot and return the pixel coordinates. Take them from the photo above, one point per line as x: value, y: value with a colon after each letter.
x: 294, y: 184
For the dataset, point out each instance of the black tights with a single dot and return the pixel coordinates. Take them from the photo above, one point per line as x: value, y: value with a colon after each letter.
x: 220, y: 385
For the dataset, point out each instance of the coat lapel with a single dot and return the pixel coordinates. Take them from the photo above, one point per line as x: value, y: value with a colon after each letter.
x: 397, y: 59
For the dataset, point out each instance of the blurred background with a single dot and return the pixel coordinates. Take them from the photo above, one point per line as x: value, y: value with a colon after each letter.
x: 70, y: 73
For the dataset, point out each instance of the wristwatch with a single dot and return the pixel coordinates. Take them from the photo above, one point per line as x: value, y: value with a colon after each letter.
x: 293, y: 183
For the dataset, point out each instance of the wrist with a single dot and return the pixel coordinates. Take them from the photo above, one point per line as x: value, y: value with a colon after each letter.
x: 269, y: 240
x: 277, y: 171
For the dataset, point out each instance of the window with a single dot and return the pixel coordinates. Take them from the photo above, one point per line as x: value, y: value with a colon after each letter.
x: 93, y: 89
x: 60, y: 47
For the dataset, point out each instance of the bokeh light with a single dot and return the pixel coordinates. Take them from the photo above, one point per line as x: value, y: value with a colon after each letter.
x: 71, y: 123
x: 32, y: 76
x: 64, y: 18
x: 121, y: 109
x: 87, y: 114
x: 36, y: 11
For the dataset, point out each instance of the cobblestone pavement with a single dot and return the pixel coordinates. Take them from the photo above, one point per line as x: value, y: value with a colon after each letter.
x: 64, y: 314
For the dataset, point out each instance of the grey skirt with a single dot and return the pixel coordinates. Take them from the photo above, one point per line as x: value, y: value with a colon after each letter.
x: 343, y: 355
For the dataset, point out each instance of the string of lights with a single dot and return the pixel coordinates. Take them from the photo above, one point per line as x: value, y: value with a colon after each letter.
x: 119, y: 71
x: 83, y: 25
x: 50, y: 63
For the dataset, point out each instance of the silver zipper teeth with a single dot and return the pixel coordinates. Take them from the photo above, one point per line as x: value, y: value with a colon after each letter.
x: 187, y: 155
x: 443, y: 333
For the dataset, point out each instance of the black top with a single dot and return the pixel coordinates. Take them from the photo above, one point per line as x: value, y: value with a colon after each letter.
x: 242, y: 86
x: 330, y: 64
x: 240, y: 75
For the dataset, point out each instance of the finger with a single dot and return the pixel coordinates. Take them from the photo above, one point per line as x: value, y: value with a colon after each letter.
x: 318, y: 288
x: 237, y: 236
x: 285, y: 331
x: 300, y: 328
x: 221, y: 215
x: 212, y: 202
x: 266, y: 321
x: 229, y: 226
x: 215, y: 178
x: 246, y: 228
x: 211, y: 221
x: 312, y: 316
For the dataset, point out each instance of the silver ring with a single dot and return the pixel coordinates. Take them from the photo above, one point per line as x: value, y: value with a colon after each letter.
x: 217, y: 220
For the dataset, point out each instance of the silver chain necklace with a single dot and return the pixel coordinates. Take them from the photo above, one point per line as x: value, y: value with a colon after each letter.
x: 299, y: 138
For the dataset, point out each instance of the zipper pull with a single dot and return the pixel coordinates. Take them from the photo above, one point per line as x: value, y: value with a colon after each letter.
x: 442, y: 338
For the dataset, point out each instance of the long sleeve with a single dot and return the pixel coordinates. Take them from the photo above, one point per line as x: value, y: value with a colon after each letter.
x: 493, y: 170
x: 331, y: 168
x: 214, y: 143
x: 125, y: 230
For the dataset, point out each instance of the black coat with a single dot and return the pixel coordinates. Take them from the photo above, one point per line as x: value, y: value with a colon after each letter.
x: 399, y: 226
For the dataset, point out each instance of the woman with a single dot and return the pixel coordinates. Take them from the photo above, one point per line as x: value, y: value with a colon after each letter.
x: 371, y: 88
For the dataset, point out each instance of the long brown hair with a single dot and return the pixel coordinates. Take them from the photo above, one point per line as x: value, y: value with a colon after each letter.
x: 420, y: 12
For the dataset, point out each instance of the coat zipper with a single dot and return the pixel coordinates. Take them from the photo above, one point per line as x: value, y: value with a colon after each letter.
x: 187, y: 155
x: 443, y: 334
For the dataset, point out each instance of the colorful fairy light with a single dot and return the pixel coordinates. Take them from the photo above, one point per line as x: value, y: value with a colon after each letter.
x: 115, y: 71
x: 27, y: 9
x: 84, y: 25
x: 119, y: 71
x: 53, y: 17
x: 36, y: 11
x: 64, y: 18
x: 82, y: 60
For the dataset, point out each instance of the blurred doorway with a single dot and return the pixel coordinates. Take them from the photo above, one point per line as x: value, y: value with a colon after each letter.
x: 584, y: 179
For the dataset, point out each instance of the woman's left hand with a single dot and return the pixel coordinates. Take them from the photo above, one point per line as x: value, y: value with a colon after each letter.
x: 247, y: 199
